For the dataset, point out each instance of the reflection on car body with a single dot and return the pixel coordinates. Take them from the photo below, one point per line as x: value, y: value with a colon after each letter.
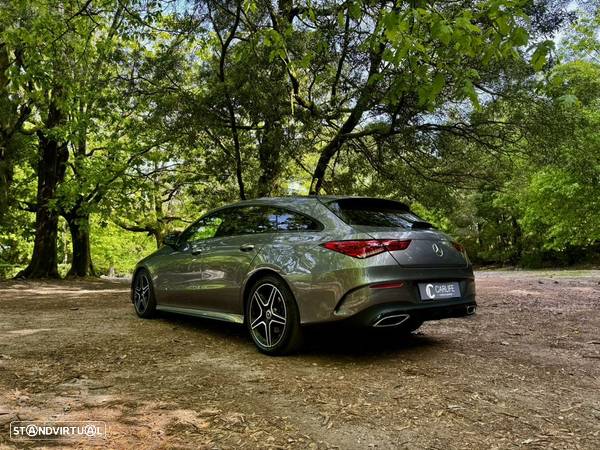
x: 279, y: 264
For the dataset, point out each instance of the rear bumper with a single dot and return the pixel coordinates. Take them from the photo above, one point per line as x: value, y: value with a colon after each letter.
x: 388, y: 315
x: 345, y: 293
x: 367, y: 304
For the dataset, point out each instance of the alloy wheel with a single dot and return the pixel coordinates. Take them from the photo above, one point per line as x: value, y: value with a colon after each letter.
x: 141, y: 294
x: 268, y: 315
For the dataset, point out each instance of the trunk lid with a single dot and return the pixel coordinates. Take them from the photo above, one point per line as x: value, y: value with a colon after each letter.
x: 428, y: 248
x: 389, y: 219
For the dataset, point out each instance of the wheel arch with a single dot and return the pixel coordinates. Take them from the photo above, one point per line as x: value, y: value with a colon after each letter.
x: 255, y: 276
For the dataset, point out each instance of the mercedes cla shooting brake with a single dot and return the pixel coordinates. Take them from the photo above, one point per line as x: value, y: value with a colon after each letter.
x: 279, y: 264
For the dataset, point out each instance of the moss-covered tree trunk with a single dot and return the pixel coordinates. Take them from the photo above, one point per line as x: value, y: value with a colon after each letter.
x: 53, y: 155
x: 12, y: 118
x: 81, y: 263
x: 51, y: 171
x: 5, y: 113
x: 269, y: 153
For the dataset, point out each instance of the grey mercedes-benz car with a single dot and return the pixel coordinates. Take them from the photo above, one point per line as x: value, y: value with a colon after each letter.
x: 279, y: 264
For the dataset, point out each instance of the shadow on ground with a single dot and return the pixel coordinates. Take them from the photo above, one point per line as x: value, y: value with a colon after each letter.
x: 328, y: 341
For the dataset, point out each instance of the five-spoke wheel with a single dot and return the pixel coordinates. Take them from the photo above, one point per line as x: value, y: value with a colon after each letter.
x: 272, y: 317
x: 143, y: 295
x: 267, y: 315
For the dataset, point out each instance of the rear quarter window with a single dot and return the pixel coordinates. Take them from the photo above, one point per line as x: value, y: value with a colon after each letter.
x: 246, y: 220
x: 292, y: 221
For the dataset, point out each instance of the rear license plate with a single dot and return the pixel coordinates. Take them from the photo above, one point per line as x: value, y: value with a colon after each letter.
x: 439, y: 291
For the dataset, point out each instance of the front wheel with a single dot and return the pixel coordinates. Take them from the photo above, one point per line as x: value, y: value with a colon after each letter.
x: 142, y: 294
x: 272, y: 317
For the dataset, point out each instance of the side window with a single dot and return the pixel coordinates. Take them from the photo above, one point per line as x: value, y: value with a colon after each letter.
x: 246, y: 220
x: 291, y: 221
x: 205, y: 228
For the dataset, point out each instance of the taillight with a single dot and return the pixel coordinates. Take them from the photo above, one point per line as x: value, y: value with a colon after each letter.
x: 458, y: 247
x: 367, y: 247
x: 396, y: 245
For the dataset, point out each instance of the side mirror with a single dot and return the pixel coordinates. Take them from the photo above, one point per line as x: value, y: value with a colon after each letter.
x: 171, y: 239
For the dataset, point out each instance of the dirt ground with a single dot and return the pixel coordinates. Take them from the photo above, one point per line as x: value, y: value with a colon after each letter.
x: 522, y: 373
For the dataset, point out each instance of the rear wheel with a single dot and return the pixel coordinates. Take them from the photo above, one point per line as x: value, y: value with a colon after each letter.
x: 272, y: 317
x: 143, y: 294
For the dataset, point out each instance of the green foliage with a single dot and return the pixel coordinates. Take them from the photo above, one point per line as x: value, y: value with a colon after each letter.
x: 546, y: 206
x: 167, y: 110
x: 561, y: 209
x: 15, y: 243
x: 117, y: 249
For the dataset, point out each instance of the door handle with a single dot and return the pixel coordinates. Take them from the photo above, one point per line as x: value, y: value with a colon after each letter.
x: 247, y: 247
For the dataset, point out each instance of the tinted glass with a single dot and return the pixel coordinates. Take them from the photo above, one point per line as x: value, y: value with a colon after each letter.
x: 205, y: 228
x: 377, y: 213
x: 246, y: 220
x: 291, y: 221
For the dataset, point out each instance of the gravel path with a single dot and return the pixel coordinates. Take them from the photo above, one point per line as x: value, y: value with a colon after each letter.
x: 523, y: 373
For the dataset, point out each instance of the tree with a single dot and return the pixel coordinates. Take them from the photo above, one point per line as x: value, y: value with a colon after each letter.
x: 147, y: 113
x: 566, y: 181
x: 69, y: 58
x: 416, y: 58
x: 154, y: 198
x: 13, y: 115
x: 37, y: 38
x: 280, y: 81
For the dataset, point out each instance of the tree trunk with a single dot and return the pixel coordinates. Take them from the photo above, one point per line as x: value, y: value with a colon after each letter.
x: 11, y: 121
x: 334, y: 146
x: 269, y: 154
x: 326, y: 154
x: 5, y: 166
x: 53, y: 156
x: 517, y: 242
x: 81, y: 263
x: 225, y: 42
x: 158, y: 236
x: 44, y: 262
x: 6, y: 175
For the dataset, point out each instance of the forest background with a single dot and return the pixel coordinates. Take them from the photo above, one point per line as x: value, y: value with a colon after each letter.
x: 121, y: 121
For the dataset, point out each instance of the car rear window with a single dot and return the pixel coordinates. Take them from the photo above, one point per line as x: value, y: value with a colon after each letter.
x: 377, y: 213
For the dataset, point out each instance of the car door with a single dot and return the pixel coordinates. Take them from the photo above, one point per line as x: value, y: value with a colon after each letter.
x: 226, y: 259
x: 180, y: 280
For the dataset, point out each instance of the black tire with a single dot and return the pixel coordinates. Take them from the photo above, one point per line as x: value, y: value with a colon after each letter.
x: 142, y: 294
x: 272, y: 317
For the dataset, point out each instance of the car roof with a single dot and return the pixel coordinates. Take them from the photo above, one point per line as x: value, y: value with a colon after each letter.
x: 299, y: 199
x: 284, y: 200
x: 312, y: 205
x: 303, y: 202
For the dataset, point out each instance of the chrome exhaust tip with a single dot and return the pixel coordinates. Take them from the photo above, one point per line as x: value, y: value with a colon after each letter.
x: 471, y: 309
x: 391, y: 321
